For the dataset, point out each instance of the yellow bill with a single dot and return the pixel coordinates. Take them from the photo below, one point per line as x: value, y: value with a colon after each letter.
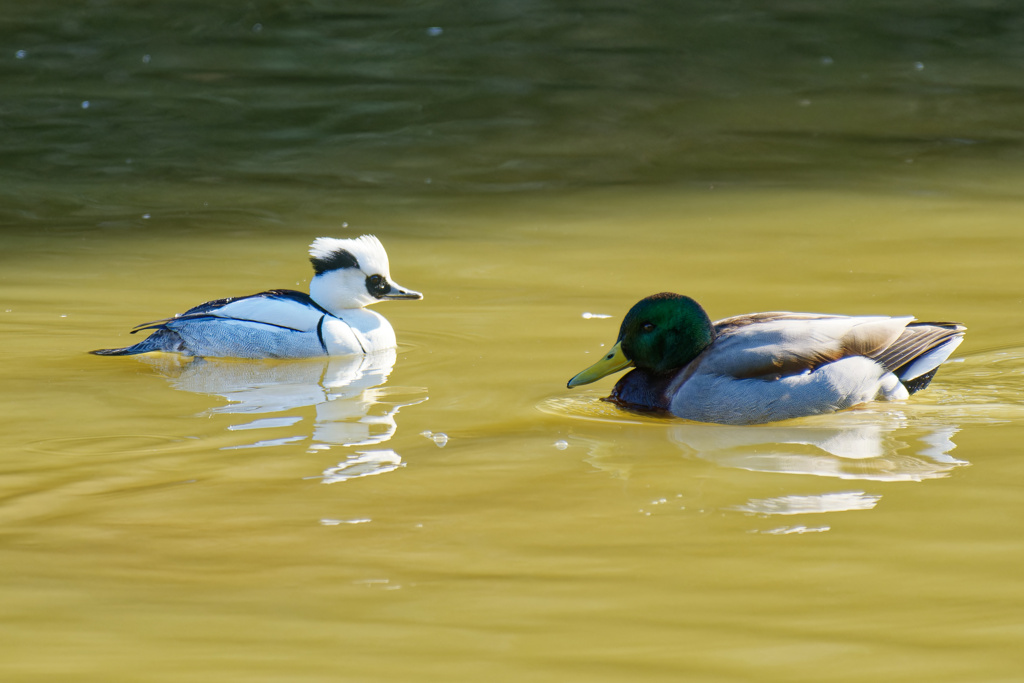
x: 612, y: 362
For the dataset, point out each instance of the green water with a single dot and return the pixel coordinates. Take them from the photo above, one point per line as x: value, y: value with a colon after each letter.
x: 454, y: 512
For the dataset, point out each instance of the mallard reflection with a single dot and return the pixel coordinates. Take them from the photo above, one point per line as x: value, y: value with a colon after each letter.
x: 868, y: 446
x: 851, y: 446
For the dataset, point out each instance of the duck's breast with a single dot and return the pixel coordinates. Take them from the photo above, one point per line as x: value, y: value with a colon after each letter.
x: 357, y: 330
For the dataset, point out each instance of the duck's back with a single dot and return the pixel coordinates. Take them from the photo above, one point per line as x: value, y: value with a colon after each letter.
x: 775, y: 366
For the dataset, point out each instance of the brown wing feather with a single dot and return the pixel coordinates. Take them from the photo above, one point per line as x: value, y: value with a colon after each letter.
x: 869, y: 340
x: 917, y: 339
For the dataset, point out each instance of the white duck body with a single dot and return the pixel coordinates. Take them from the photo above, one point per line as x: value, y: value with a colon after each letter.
x: 284, y: 323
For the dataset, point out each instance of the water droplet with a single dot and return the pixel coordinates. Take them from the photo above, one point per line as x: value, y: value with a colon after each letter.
x: 145, y: 215
x: 435, y: 31
x: 919, y: 65
x: 20, y: 54
x: 85, y: 104
x: 826, y: 61
x: 256, y: 28
x: 441, y: 439
x: 589, y: 316
x: 145, y: 59
x: 561, y: 444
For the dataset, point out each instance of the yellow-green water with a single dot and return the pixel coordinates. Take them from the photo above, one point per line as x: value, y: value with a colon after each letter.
x: 454, y: 513
x: 148, y: 535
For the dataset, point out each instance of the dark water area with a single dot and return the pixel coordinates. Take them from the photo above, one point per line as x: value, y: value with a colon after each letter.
x: 117, y: 101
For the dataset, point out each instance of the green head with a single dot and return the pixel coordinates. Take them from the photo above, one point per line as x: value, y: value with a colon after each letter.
x: 659, y: 334
x: 664, y: 332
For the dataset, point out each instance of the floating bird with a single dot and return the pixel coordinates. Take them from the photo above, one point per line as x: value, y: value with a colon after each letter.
x: 332, y: 320
x: 764, y: 367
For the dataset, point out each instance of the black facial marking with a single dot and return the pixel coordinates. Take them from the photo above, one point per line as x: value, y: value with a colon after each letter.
x: 333, y: 261
x: 378, y: 286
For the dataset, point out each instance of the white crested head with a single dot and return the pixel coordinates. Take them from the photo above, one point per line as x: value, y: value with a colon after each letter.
x: 352, y: 273
x: 365, y: 253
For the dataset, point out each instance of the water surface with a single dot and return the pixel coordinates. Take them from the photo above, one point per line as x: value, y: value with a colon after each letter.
x: 452, y: 511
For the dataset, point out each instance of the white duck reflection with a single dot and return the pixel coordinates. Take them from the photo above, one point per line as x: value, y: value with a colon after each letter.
x: 352, y: 407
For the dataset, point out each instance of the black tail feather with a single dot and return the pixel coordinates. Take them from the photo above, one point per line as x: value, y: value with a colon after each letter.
x: 125, y: 351
x: 920, y: 382
x: 161, y: 340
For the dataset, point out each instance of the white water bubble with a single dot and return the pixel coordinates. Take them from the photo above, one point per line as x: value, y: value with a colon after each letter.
x: 589, y: 316
x: 561, y: 444
x: 434, y: 31
x: 20, y: 54
x: 440, y: 438
x: 85, y: 104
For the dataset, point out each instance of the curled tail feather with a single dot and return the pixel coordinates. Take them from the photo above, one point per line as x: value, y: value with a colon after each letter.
x: 916, y: 371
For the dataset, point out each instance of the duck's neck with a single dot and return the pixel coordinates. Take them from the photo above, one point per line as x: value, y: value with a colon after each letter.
x: 641, y: 389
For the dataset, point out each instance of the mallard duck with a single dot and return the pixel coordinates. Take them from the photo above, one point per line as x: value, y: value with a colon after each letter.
x: 765, y: 367
x: 332, y: 320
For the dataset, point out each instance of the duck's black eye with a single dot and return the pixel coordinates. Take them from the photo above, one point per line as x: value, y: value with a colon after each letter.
x: 647, y: 327
x: 378, y: 286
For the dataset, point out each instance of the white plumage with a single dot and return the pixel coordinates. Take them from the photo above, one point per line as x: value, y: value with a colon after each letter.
x: 349, y: 274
